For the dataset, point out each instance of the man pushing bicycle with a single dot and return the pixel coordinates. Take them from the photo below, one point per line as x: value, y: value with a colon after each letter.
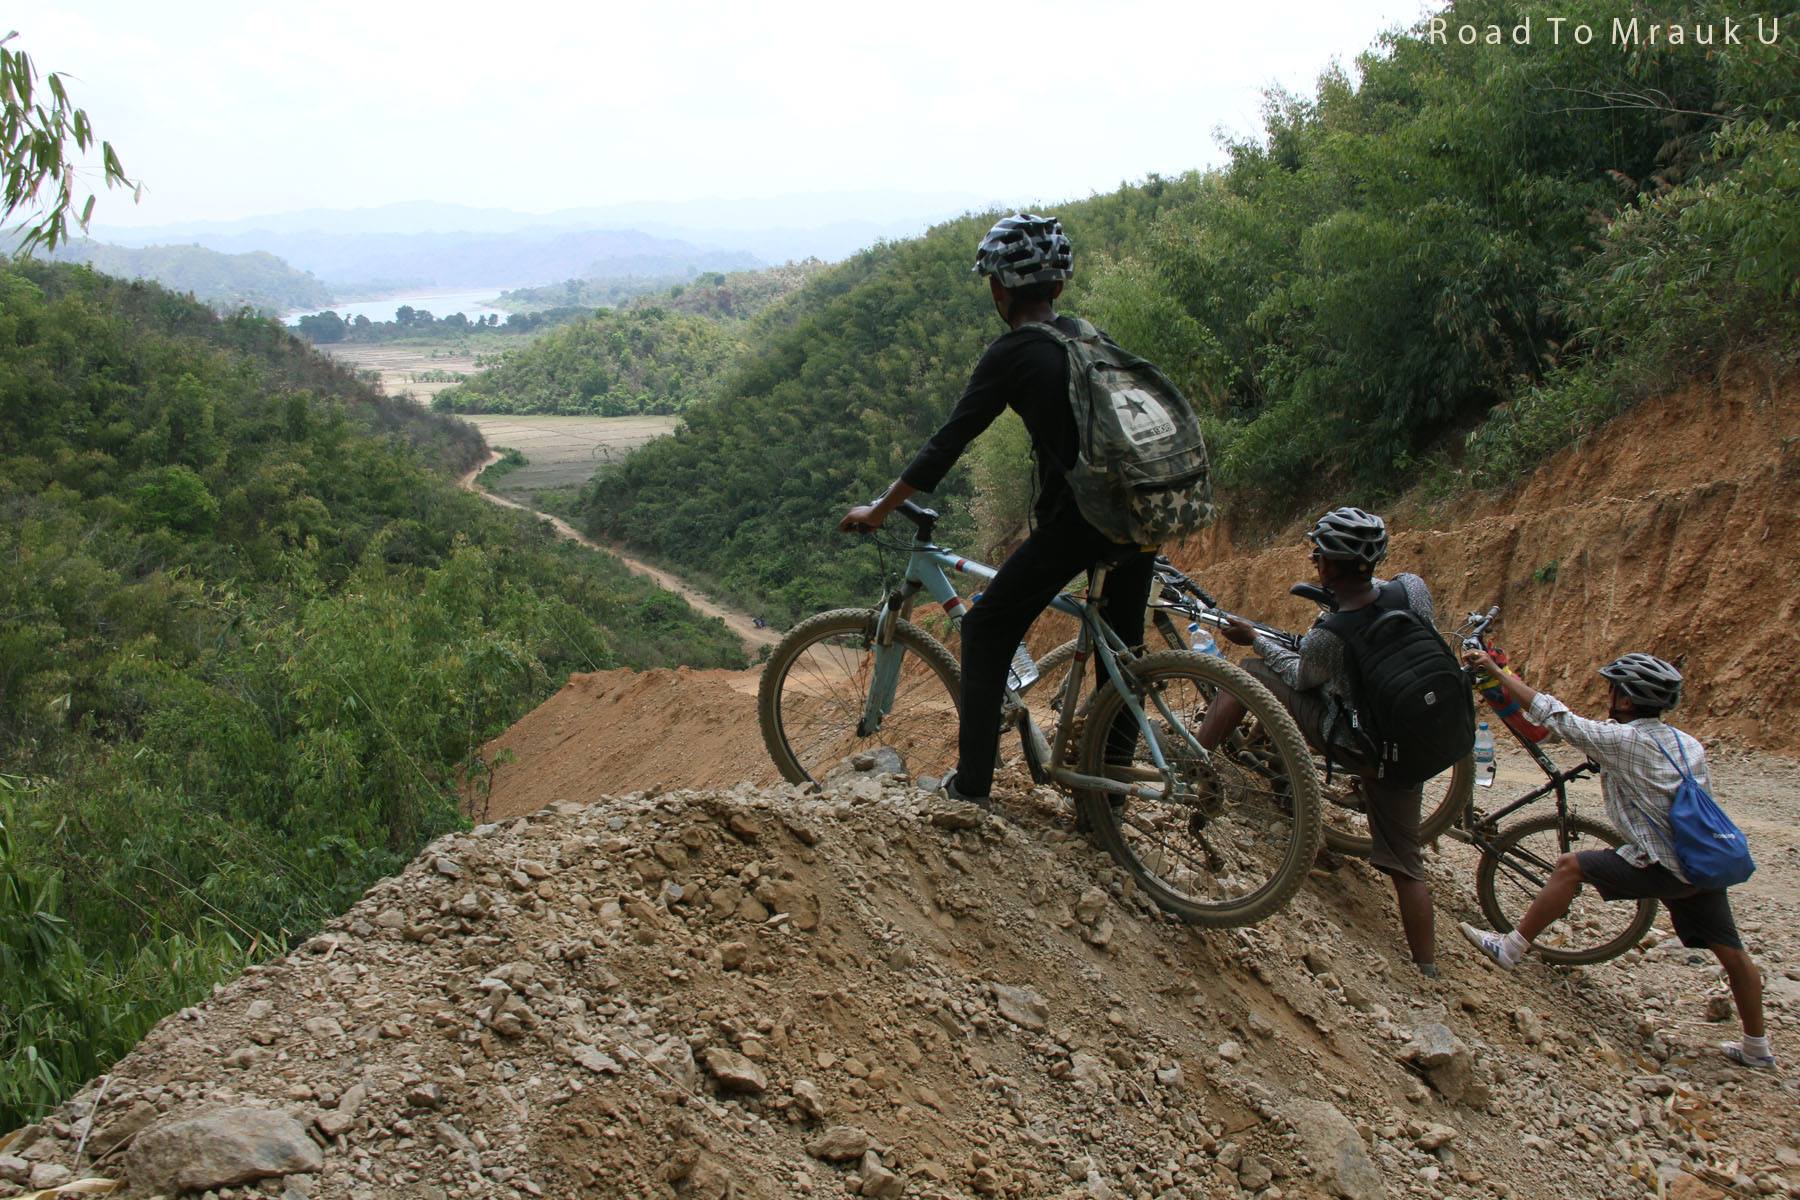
x: 1643, y: 762
x: 1340, y: 681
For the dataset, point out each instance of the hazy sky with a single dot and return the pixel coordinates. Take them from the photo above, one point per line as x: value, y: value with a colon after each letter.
x: 226, y: 109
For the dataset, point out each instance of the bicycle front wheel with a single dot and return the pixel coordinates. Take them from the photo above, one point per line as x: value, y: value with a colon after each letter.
x: 1515, y: 867
x: 813, y: 701
x: 1231, y: 842
x: 1446, y: 797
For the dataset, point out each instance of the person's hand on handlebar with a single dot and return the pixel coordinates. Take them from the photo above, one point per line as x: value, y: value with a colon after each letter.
x: 867, y: 518
x: 1238, y: 630
x: 864, y: 518
x: 1475, y: 656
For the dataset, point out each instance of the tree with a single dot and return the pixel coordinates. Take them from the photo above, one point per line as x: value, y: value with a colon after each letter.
x: 35, y: 154
x: 322, y: 327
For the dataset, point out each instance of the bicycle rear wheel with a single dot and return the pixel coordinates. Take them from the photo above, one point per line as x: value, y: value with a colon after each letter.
x: 1346, y: 818
x: 1514, y: 868
x: 814, y: 693
x: 1232, y: 844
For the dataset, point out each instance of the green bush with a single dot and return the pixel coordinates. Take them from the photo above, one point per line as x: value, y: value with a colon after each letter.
x: 252, y: 641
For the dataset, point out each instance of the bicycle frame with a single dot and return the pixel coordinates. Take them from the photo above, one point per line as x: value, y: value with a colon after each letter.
x: 1477, y: 826
x: 926, y: 572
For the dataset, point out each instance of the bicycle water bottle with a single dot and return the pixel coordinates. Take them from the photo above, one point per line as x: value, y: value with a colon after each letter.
x: 1484, y: 755
x: 1201, y: 638
x: 1023, y: 671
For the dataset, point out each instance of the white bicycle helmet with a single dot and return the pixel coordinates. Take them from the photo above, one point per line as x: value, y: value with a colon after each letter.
x: 1024, y: 249
x: 1645, y: 679
x: 1350, y: 534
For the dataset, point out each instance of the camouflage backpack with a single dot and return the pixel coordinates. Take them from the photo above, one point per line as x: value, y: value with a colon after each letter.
x: 1140, y: 473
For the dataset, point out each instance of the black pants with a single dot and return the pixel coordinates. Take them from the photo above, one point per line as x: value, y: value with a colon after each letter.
x: 1059, y: 549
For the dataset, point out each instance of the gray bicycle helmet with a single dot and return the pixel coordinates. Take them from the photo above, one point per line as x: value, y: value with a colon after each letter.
x: 1645, y: 679
x: 1350, y: 534
x: 1024, y: 249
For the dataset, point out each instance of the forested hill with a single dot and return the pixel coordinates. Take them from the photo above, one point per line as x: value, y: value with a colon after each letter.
x: 252, y: 638
x: 224, y: 281
x: 618, y: 362
x: 1449, y: 264
x: 734, y: 295
x: 657, y: 354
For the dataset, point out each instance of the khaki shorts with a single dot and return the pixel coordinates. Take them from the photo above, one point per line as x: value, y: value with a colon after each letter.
x: 1393, y: 811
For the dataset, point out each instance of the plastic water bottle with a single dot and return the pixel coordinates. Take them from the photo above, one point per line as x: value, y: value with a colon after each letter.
x: 1023, y: 671
x: 1484, y: 755
x: 1201, y: 638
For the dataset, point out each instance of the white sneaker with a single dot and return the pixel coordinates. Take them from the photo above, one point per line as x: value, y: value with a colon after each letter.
x: 1492, y: 945
x: 1736, y: 1053
x: 946, y: 787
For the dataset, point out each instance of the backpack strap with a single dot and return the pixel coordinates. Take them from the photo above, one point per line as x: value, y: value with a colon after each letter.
x: 1083, y: 331
x: 1686, y: 771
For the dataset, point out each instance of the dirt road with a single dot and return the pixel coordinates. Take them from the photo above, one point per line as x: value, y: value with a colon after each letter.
x: 739, y: 623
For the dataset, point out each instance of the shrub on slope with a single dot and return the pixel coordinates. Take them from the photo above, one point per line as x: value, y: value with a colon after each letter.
x: 251, y: 639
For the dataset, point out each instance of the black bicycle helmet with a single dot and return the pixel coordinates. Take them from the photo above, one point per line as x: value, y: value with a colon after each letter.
x: 1350, y: 534
x: 1645, y: 679
x: 1024, y: 249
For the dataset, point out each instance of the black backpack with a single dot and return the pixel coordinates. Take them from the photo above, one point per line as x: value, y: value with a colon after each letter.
x: 1413, y: 702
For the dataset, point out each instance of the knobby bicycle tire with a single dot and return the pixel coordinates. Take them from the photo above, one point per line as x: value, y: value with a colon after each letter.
x: 1240, y: 799
x: 1452, y: 789
x: 1505, y: 852
x: 820, y: 712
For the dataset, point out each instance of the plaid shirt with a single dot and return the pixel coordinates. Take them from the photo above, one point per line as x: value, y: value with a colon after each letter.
x: 1638, y: 782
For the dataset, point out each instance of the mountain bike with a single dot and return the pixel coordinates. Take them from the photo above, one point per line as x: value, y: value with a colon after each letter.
x: 1219, y: 838
x: 1177, y: 603
x: 1516, y: 861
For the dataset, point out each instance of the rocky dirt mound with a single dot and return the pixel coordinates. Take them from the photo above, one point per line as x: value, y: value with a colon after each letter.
x: 766, y: 993
x: 1670, y: 531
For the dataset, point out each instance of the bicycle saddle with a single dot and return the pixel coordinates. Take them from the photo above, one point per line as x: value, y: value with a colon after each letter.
x: 1318, y: 595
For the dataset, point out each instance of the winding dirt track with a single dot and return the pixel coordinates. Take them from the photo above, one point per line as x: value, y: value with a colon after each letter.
x: 739, y: 623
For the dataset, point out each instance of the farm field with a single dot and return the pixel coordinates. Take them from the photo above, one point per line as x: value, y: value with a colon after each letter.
x: 403, y: 368
x: 562, y: 452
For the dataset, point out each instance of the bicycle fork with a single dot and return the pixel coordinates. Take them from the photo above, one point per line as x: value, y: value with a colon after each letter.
x: 889, y: 654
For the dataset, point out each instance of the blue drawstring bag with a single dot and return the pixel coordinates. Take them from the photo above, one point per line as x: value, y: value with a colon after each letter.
x: 1712, y: 850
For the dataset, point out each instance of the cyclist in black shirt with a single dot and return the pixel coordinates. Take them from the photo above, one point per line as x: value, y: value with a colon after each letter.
x: 1026, y: 259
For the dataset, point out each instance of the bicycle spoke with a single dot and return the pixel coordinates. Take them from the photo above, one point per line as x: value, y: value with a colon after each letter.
x: 821, y: 701
x: 1225, y: 830
x: 1517, y: 864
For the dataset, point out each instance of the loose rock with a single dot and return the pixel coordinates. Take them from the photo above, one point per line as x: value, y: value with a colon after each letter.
x: 221, y: 1148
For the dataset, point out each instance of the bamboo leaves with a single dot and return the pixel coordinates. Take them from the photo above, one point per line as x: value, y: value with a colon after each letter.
x: 37, y: 163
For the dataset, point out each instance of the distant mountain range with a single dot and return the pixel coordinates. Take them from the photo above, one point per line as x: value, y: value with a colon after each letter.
x: 364, y: 262
x: 306, y: 259
x: 224, y: 281
x: 427, y: 244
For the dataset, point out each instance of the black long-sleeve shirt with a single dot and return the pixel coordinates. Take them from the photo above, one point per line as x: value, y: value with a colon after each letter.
x: 1026, y: 370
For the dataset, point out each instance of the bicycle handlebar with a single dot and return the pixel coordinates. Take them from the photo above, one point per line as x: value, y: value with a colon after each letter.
x: 1476, y: 627
x: 924, y: 519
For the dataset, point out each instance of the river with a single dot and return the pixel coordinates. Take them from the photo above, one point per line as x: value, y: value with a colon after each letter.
x: 439, y: 303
